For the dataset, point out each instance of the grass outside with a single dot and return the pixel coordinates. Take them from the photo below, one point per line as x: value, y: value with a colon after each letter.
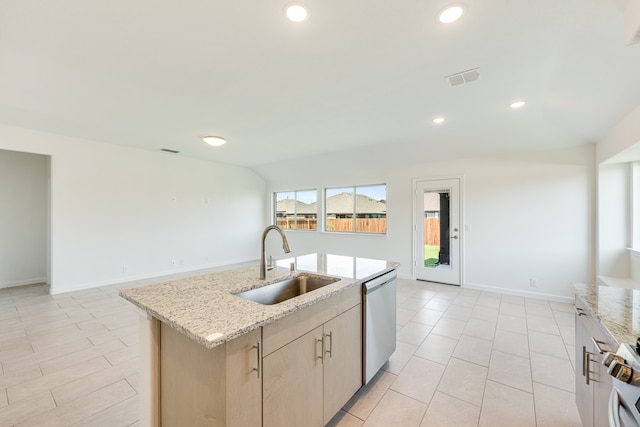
x: 431, y: 255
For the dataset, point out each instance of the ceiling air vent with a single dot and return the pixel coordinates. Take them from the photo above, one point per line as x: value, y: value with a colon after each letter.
x: 169, y: 151
x: 463, y: 77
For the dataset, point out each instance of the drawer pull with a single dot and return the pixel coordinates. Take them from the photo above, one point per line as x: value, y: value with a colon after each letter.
x: 597, y: 344
x: 257, y: 368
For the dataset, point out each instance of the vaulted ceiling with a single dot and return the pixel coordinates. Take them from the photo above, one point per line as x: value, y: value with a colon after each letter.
x: 359, y: 75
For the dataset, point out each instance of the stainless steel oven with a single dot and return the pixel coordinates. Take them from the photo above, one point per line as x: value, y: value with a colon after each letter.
x: 624, y: 401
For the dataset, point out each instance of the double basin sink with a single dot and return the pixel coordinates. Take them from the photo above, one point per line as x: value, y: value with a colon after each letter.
x: 286, y: 289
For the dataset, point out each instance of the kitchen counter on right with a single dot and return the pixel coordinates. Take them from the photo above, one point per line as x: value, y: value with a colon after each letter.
x: 617, y: 310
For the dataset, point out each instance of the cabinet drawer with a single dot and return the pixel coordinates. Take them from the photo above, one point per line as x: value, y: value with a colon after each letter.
x: 287, y: 329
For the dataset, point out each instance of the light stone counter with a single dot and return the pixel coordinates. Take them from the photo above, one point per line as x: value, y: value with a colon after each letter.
x: 205, y: 308
x: 617, y: 310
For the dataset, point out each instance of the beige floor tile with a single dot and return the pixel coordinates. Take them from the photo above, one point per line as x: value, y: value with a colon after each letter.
x: 51, y: 353
x: 489, y: 300
x: 437, y: 348
x: 70, y: 391
x: 400, y: 357
x: 3, y: 397
x: 485, y: 313
x: 542, y: 310
x: 71, y: 359
x: 510, y: 370
x: 19, y: 376
x: 555, y: 408
x: 457, y: 312
x: 552, y: 371
x: 562, y: 306
x: 571, y: 351
x: 32, y: 406
x: 133, y: 381
x: 438, y: 303
x: 413, y: 333
x: 513, y: 299
x: 396, y: 410
x: 404, y: 315
x: 464, y: 380
x: 449, y: 328
x: 345, y: 419
x: 365, y: 400
x: 504, y: 406
x: 419, y: 379
x: 480, y: 329
x: 551, y: 345
x: 415, y: 304
x: 512, y: 343
x: 82, y: 408
x: 121, y: 414
x: 47, y: 382
x: 445, y: 411
x: 510, y: 323
x: 512, y: 309
x: 474, y: 350
x: 15, y: 351
x: 465, y: 300
x: 542, y: 324
x: 427, y: 316
x: 123, y: 354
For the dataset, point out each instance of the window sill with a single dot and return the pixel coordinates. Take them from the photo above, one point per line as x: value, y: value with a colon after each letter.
x: 634, y: 252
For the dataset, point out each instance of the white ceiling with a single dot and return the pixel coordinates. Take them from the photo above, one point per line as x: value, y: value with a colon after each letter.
x: 358, y: 76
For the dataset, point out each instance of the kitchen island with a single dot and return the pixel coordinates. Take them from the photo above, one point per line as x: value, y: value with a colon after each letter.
x: 210, y: 357
x: 605, y: 317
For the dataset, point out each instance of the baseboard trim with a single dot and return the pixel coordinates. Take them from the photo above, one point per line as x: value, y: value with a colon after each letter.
x: 520, y: 293
x: 15, y: 283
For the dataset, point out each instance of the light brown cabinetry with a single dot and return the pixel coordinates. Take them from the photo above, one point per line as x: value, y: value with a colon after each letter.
x: 311, y: 373
x: 210, y: 387
x: 593, y: 383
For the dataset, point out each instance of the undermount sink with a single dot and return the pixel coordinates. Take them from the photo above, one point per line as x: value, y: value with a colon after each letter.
x: 284, y: 290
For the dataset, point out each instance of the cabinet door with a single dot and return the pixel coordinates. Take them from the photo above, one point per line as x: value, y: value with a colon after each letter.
x: 292, y: 383
x: 584, y: 389
x: 602, y: 383
x: 244, y: 380
x: 342, y: 360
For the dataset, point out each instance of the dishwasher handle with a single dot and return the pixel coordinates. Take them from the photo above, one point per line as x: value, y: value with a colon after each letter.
x: 374, y: 284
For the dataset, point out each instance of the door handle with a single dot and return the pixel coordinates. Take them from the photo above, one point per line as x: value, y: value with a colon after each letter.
x: 454, y: 237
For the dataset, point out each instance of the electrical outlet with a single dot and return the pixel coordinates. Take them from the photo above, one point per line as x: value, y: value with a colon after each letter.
x: 533, y: 283
x: 125, y: 269
x: 173, y: 261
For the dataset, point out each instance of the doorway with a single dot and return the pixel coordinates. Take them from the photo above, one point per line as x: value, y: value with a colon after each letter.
x: 437, y: 230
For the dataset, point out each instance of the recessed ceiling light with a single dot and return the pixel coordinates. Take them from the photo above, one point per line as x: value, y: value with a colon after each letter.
x: 215, y: 141
x: 451, y: 13
x: 438, y: 120
x: 517, y: 104
x: 296, y: 12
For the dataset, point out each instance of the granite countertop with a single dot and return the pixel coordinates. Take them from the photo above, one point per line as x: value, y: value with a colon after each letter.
x: 616, y: 309
x: 205, y: 308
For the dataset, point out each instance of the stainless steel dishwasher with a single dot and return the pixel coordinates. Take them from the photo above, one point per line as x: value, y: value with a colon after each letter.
x: 379, y: 315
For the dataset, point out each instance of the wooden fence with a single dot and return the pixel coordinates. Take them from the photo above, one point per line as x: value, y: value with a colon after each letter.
x: 432, y: 231
x: 364, y: 225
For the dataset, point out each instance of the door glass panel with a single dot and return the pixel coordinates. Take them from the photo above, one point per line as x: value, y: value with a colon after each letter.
x: 436, y: 229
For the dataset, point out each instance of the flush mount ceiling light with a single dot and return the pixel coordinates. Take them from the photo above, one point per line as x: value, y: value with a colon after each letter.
x: 451, y: 13
x: 438, y: 120
x: 517, y: 104
x: 296, y: 12
x: 214, y: 141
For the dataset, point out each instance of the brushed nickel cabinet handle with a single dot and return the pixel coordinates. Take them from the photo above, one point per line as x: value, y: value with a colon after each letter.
x: 330, y: 351
x: 257, y: 368
x: 597, y: 344
x: 321, y: 342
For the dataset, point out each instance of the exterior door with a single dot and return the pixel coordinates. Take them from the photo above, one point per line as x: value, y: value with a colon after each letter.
x: 437, y: 231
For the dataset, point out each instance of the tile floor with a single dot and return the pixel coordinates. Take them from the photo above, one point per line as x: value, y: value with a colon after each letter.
x: 464, y: 358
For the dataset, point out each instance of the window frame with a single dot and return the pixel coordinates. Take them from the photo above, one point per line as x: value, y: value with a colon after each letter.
x: 274, y: 211
x: 353, y: 213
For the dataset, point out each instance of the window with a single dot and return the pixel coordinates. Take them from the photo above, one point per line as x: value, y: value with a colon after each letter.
x: 360, y: 209
x: 635, y: 206
x: 296, y: 210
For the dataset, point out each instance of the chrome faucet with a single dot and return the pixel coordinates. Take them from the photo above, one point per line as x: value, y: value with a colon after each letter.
x: 285, y: 246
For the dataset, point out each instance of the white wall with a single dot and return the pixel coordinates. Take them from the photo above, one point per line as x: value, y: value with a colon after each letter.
x: 120, y: 214
x: 613, y: 220
x: 529, y: 216
x: 23, y: 218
